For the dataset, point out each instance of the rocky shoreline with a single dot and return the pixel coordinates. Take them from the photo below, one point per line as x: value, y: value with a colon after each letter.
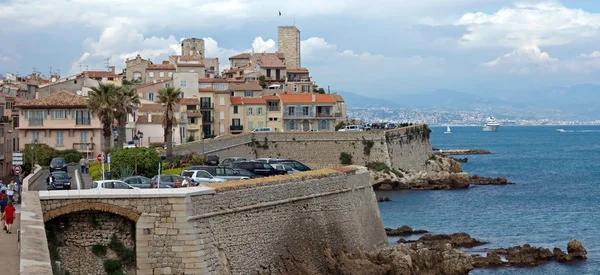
x: 477, y: 180
x: 461, y: 152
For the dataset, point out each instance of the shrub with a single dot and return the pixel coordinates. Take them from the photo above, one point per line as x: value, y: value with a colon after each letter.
x: 345, y: 158
x: 368, y: 145
x: 190, y: 138
x: 380, y: 166
x: 70, y: 155
x: 340, y: 125
x: 42, y: 154
x: 96, y: 169
x: 174, y: 171
x: 143, y: 161
x: 99, y: 250
x: 113, y: 266
x: 155, y: 145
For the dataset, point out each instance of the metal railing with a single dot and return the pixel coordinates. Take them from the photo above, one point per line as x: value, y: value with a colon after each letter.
x: 273, y: 109
x: 207, y: 105
x: 236, y: 128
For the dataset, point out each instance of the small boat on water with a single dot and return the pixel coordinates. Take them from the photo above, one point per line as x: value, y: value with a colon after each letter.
x: 491, y: 125
x: 448, y: 131
x: 560, y: 130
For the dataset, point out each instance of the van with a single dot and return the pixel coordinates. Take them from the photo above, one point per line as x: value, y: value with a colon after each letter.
x: 351, y: 128
x: 263, y: 130
x: 220, y: 172
x: 258, y: 168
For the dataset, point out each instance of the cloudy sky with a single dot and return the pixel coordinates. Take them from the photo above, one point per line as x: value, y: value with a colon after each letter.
x: 380, y: 48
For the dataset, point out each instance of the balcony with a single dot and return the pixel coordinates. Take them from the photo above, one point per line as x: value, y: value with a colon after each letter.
x: 15, y: 112
x: 236, y: 128
x: 208, y: 119
x: 207, y: 105
x: 4, y: 119
x: 273, y: 109
x: 298, y: 115
x: 83, y: 147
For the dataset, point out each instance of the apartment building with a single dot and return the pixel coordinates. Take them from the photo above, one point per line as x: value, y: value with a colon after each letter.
x: 308, y: 112
x: 60, y: 120
x: 191, y: 115
x: 246, y: 89
x: 247, y: 113
x: 159, y: 72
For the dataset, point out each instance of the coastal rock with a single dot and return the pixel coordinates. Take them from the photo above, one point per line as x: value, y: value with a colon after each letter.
x: 530, y: 256
x: 382, y: 199
x: 478, y: 180
x: 462, y: 152
x: 456, y: 240
x: 404, y: 230
x: 461, y: 160
x: 576, y: 250
x: 399, y: 260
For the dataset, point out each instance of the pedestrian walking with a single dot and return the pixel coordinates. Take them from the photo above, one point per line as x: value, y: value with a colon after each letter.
x: 11, y: 191
x: 3, y: 204
x: 82, y: 165
x: 87, y: 166
x: 9, y: 216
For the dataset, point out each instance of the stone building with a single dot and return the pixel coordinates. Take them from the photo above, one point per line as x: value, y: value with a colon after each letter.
x: 288, y: 43
x: 159, y: 72
x: 136, y: 68
x: 193, y: 46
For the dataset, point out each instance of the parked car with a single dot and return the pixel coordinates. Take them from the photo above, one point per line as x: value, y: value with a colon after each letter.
x: 166, y: 179
x: 200, y: 176
x: 258, y: 168
x: 284, y: 167
x: 142, y: 182
x: 111, y: 184
x: 228, y: 161
x: 263, y: 130
x: 62, y: 180
x: 294, y: 164
x: 267, y: 160
x: 367, y: 127
x: 351, y: 128
x: 220, y: 172
x: 212, y: 160
x: 246, y: 173
x: 378, y: 125
x: 58, y: 164
x: 390, y: 126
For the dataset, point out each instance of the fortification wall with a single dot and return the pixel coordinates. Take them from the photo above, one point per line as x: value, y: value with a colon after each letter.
x: 265, y: 224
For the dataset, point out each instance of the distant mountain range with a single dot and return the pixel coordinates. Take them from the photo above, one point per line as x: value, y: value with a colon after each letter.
x: 579, y: 100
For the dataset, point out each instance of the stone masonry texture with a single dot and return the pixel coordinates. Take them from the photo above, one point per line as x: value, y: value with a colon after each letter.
x: 288, y: 43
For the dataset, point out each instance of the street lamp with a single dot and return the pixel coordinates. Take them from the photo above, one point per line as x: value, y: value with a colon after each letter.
x: 33, y: 153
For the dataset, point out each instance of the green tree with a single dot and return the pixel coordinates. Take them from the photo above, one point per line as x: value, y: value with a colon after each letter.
x: 319, y: 91
x: 261, y: 81
x: 141, y: 160
x: 134, y: 82
x: 169, y: 97
x: 126, y: 98
x: 101, y: 102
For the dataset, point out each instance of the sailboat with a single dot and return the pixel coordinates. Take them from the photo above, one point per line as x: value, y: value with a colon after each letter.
x: 448, y: 131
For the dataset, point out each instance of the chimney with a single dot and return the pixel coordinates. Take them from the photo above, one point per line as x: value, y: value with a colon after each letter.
x: 111, y: 69
x: 313, y: 97
x: 149, y: 117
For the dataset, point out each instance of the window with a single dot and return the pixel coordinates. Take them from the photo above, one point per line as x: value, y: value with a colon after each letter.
x: 268, y: 72
x: 191, y: 107
x: 60, y: 139
x: 291, y: 125
x: 305, y: 88
x: 248, y: 93
x: 306, y: 111
x: 83, y: 139
x: 151, y: 74
x: 221, y: 115
x: 235, y: 109
x: 260, y: 124
x: 36, y: 118
x: 183, y: 83
x: 136, y: 75
x: 324, y: 124
x: 59, y: 114
x: 151, y: 96
x: 193, y: 120
x: 291, y: 111
x: 250, y: 111
x: 232, y: 93
x: 181, y: 95
x: 161, y: 74
x: 222, y: 129
x: 250, y: 125
x: 259, y: 111
x: 235, y: 122
x: 170, y: 74
x: 82, y: 117
x: 221, y: 100
x: 204, y: 85
x: 35, y: 137
x: 220, y: 87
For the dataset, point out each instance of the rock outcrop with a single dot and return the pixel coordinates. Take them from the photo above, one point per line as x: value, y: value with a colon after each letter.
x: 441, y: 173
x: 462, y: 152
x: 477, y: 180
x: 456, y: 240
x: 401, y: 260
x: 404, y: 230
x: 530, y: 256
x: 462, y: 160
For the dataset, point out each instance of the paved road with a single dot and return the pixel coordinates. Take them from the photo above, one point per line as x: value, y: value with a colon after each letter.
x: 40, y: 183
x: 9, y: 250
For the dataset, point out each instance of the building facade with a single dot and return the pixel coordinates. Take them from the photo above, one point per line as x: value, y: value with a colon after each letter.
x: 288, y: 43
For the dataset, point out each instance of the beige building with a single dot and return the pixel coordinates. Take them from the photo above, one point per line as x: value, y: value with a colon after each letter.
x: 247, y: 114
x: 246, y: 89
x: 136, y: 69
x: 150, y: 91
x: 60, y: 120
x: 193, y: 46
x: 159, y: 72
x: 245, y: 59
x: 309, y: 112
x: 298, y: 81
x: 288, y: 43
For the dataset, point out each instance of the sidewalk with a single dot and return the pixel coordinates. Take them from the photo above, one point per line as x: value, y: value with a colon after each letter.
x: 9, y: 250
x: 86, y: 181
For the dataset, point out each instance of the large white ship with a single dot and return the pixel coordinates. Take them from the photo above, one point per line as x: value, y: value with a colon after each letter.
x: 491, y: 125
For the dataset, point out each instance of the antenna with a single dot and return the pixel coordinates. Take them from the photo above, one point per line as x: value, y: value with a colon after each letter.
x: 107, y: 63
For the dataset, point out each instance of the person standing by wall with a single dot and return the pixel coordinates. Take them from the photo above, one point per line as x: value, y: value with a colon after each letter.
x: 87, y: 166
x: 9, y: 213
x: 82, y: 164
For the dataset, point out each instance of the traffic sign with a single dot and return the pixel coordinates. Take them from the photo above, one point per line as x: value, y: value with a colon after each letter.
x: 108, y: 158
x: 100, y: 157
x: 17, y: 154
x: 17, y: 158
x: 17, y: 162
x: 17, y: 170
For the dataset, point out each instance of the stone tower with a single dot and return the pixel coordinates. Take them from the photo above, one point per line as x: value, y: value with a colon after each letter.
x: 288, y: 43
x: 193, y: 46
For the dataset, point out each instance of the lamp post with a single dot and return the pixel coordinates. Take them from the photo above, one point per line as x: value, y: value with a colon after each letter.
x: 33, y: 154
x: 88, y: 147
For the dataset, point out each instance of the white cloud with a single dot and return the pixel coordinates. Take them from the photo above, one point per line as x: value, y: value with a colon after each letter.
x: 259, y: 45
x: 543, y: 24
x: 4, y: 58
x: 595, y: 54
x: 76, y: 66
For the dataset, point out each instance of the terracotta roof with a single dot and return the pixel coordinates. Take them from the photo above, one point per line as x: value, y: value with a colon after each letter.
x: 253, y: 100
x: 339, y: 98
x: 59, y: 99
x: 306, y: 98
x: 152, y: 108
x: 95, y: 74
x: 189, y: 101
x: 194, y: 114
x: 160, y: 82
x: 271, y: 97
x: 297, y: 70
x: 249, y: 55
x: 161, y: 67
x: 246, y: 86
x: 190, y: 64
x: 233, y: 80
x: 204, y: 90
x: 236, y: 100
x: 156, y: 119
x: 211, y: 80
x: 267, y: 61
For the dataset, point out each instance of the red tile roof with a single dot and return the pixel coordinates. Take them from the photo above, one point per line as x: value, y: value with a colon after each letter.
x: 267, y: 61
x: 271, y: 97
x: 152, y: 108
x: 190, y: 64
x: 95, y: 74
x: 189, y: 101
x: 249, y: 55
x: 297, y: 70
x: 161, y: 67
x: 211, y: 80
x: 204, y: 90
x: 306, y: 98
x: 339, y: 98
x: 238, y: 100
x: 59, y: 99
x: 194, y: 114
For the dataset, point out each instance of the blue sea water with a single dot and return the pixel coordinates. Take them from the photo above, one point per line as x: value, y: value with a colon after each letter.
x: 555, y: 199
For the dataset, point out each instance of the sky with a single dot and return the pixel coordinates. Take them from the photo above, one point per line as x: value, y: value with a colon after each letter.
x: 380, y: 48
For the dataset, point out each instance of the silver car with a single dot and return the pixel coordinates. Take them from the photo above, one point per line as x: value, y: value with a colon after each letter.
x: 111, y: 184
x: 285, y: 167
x: 200, y: 176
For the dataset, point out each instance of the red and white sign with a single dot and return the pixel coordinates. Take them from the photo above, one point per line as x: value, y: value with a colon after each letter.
x: 101, y: 157
x: 17, y: 170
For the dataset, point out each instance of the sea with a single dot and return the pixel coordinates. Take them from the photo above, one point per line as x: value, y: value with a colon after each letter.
x: 555, y: 198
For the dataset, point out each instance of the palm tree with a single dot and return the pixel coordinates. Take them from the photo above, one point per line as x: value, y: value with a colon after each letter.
x: 101, y: 102
x: 169, y: 97
x: 134, y: 82
x: 126, y: 98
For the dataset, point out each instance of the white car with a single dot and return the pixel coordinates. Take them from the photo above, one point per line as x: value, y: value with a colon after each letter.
x: 263, y: 130
x: 200, y: 176
x: 111, y: 184
x: 285, y: 167
x: 352, y: 128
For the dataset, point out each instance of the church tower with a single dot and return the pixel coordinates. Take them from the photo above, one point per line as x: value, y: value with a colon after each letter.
x: 288, y: 43
x: 193, y: 46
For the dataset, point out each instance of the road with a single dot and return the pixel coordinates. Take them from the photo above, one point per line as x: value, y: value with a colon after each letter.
x: 40, y: 183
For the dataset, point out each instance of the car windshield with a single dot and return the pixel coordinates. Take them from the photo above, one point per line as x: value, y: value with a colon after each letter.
x: 187, y: 173
x: 58, y: 161
x: 60, y: 176
x: 203, y: 174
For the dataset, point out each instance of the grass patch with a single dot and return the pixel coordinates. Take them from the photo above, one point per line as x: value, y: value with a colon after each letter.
x: 345, y: 158
x: 113, y: 267
x: 382, y: 167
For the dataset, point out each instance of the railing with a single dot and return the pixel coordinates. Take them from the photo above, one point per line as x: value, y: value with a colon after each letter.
x: 273, y: 109
x: 204, y: 105
x: 82, y: 146
x: 307, y: 80
x: 297, y: 115
x: 338, y: 114
x: 324, y: 115
x: 208, y: 119
x: 236, y: 128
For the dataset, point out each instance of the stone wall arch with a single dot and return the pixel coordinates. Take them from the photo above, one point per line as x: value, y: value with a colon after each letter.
x: 91, y: 206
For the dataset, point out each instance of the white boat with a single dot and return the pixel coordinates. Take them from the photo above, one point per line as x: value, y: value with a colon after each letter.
x: 491, y: 125
x: 560, y: 130
x: 448, y: 131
